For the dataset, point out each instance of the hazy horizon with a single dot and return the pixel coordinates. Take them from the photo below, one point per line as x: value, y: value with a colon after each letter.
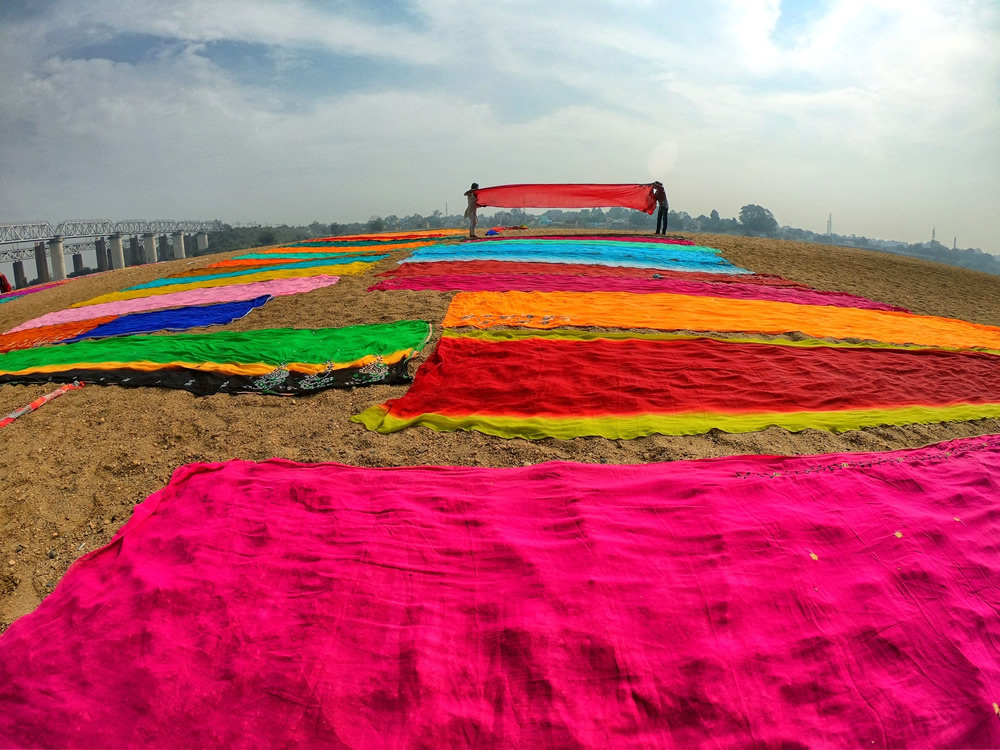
x: 883, y: 113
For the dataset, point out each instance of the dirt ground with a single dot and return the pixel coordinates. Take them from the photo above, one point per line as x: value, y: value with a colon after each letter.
x: 71, y: 472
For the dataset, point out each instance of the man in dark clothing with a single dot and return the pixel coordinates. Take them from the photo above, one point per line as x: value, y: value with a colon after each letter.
x: 661, y: 200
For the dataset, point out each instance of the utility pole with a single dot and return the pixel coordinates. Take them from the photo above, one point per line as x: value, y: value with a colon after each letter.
x: 934, y: 234
x: 829, y: 224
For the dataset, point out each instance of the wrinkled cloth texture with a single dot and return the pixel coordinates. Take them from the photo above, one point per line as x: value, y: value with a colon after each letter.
x: 174, y: 319
x: 595, y: 237
x: 209, y: 275
x: 840, y: 600
x: 38, y: 403
x: 51, y: 334
x: 556, y: 385
x: 637, y: 197
x: 265, y: 274
x: 469, y: 267
x: 276, y: 360
x: 686, y: 312
x: 276, y: 288
x: 523, y: 282
x: 638, y: 255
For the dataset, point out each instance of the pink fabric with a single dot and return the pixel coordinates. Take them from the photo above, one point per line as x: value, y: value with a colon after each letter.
x: 557, y: 283
x: 233, y: 293
x: 833, y: 601
x: 638, y: 197
x: 601, y: 237
x: 31, y: 289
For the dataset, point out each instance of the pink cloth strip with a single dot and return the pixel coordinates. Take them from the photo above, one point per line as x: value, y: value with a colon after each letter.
x: 844, y: 600
x: 565, y: 283
x: 236, y: 292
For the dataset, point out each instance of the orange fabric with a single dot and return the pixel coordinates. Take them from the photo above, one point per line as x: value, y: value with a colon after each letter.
x: 683, y: 312
x: 32, y: 337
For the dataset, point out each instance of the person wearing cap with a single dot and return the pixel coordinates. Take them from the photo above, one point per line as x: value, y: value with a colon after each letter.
x: 470, y: 212
x: 661, y: 200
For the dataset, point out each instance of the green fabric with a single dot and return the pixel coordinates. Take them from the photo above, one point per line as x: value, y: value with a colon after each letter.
x: 274, y: 346
x: 616, y: 427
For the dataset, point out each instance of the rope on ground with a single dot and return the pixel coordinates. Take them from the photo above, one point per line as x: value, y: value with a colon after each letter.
x: 40, y: 401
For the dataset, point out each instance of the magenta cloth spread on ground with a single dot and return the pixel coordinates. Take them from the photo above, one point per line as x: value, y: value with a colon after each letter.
x: 520, y: 282
x: 234, y: 293
x: 844, y: 600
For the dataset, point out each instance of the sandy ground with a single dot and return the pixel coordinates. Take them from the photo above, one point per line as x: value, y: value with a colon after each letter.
x: 71, y: 472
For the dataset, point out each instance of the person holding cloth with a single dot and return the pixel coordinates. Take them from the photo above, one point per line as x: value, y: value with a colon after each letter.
x: 661, y: 200
x: 470, y: 212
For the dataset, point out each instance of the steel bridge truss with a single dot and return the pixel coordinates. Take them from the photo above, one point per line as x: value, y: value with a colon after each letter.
x: 41, y: 230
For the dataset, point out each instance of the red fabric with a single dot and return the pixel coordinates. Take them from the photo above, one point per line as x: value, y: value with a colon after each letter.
x: 844, y: 600
x: 525, y: 282
x: 638, y: 197
x: 540, y: 377
x: 4, y: 284
x: 465, y: 267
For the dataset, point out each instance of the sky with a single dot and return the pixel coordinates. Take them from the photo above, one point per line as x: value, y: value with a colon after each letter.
x: 885, y: 113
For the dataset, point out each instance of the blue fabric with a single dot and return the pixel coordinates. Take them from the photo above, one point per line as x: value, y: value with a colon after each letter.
x: 177, y: 319
x: 335, y: 261
x: 637, y: 255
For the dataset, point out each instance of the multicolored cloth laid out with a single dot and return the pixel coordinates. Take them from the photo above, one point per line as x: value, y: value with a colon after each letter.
x: 421, y: 234
x: 839, y: 600
x: 567, y: 384
x: 636, y: 255
x: 523, y: 282
x: 686, y: 312
x: 469, y: 267
x: 345, y: 269
x: 281, y: 360
x: 244, y: 274
x: 18, y: 293
x: 276, y: 288
x: 173, y: 319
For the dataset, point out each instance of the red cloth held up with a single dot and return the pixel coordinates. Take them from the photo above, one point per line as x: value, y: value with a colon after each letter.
x: 638, y: 197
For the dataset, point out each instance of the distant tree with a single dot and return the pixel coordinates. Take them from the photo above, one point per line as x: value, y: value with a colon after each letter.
x: 375, y: 224
x: 757, y: 219
x: 435, y: 220
x: 617, y: 213
x: 267, y: 237
x: 392, y: 222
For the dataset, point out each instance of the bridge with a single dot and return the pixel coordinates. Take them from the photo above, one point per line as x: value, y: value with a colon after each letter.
x: 106, y: 239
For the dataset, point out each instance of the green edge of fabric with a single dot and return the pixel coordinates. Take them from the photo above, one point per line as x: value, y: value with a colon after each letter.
x: 380, y: 419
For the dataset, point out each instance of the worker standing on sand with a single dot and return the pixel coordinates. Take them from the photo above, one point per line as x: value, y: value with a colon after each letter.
x: 661, y: 200
x: 470, y: 212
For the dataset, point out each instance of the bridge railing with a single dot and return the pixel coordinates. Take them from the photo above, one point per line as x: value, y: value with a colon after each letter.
x: 42, y: 230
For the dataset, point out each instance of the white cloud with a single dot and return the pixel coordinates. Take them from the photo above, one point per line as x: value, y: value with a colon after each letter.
x: 872, y: 97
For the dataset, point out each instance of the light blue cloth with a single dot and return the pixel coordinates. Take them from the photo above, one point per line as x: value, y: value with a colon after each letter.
x: 633, y: 255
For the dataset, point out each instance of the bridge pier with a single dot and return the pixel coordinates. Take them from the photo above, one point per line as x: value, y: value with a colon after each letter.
x: 117, y: 252
x: 77, y: 263
x: 41, y: 263
x: 149, y: 248
x: 20, y: 280
x: 178, y: 245
x: 202, y: 239
x: 164, y: 247
x: 134, y: 251
x: 57, y: 258
x: 102, y: 254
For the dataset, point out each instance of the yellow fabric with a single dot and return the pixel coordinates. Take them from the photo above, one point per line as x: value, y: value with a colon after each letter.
x: 685, y: 312
x: 344, y: 269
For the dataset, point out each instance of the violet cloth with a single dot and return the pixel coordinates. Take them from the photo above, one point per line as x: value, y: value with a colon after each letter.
x: 844, y: 600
